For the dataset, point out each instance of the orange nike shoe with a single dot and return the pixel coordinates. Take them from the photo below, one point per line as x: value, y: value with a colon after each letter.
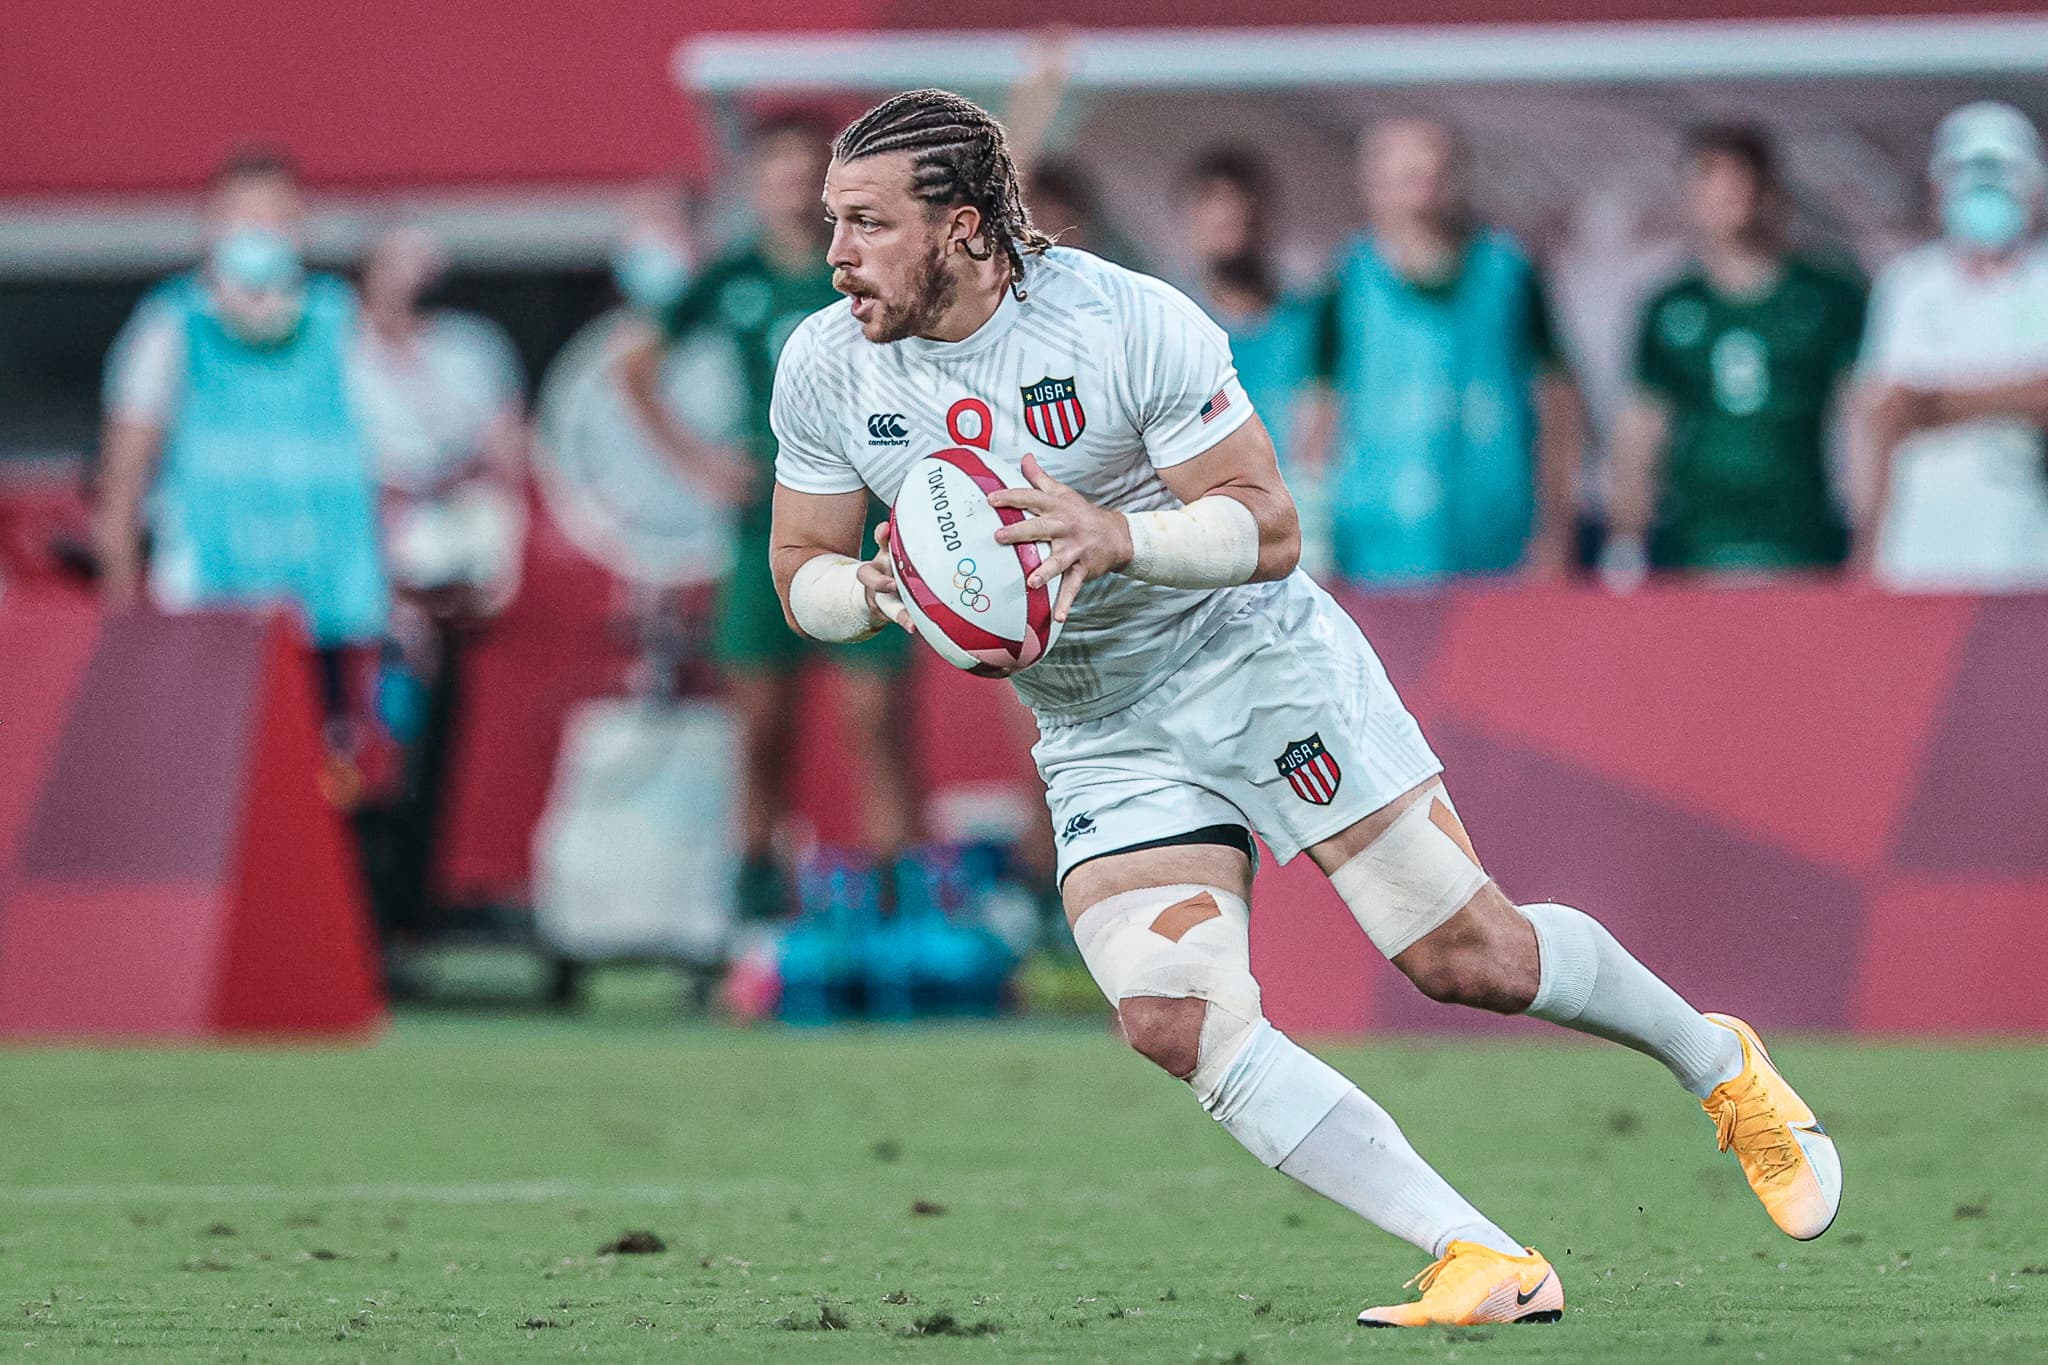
x: 1473, y: 1284
x: 1788, y: 1158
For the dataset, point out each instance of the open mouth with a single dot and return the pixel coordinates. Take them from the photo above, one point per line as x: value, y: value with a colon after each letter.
x: 863, y: 306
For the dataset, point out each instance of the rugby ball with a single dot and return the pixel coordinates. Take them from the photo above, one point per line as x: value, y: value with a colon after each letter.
x: 963, y: 588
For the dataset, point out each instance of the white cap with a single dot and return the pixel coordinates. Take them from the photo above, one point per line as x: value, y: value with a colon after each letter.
x: 1987, y: 134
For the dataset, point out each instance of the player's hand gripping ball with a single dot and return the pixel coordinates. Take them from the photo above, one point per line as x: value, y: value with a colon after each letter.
x: 965, y: 591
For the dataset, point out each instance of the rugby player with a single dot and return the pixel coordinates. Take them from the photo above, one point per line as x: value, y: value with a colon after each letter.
x: 1203, y: 688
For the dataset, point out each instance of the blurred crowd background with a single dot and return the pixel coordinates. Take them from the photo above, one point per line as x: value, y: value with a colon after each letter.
x: 1731, y: 336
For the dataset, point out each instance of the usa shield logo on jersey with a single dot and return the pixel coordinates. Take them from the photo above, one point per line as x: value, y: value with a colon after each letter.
x: 1311, y: 770
x: 1052, y: 412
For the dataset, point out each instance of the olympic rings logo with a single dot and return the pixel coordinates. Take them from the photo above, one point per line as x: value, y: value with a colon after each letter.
x: 968, y: 584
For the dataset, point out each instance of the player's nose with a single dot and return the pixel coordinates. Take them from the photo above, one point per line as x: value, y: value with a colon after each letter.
x: 841, y: 255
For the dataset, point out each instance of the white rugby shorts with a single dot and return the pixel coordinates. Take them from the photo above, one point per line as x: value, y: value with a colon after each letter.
x: 1284, y: 722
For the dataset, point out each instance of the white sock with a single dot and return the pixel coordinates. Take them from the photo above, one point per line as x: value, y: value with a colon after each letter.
x: 1358, y: 1157
x: 1295, y: 1112
x: 1589, y: 982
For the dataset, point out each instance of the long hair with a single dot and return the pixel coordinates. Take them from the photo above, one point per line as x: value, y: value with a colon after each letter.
x: 960, y: 155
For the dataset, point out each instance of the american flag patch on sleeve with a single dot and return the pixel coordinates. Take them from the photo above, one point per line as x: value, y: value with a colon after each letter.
x: 1215, y: 406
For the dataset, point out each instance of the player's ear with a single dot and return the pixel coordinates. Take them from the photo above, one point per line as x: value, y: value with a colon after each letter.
x: 963, y: 231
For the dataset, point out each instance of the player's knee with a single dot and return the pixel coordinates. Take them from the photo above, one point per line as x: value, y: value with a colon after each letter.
x: 1473, y: 958
x: 1448, y: 978
x: 1176, y: 963
x: 1167, y: 1033
x: 1408, y: 886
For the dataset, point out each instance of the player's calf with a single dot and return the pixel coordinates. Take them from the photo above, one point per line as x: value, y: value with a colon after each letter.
x: 1176, y: 962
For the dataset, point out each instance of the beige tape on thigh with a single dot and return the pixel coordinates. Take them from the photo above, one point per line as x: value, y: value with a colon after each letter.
x: 1179, y: 942
x: 1417, y: 874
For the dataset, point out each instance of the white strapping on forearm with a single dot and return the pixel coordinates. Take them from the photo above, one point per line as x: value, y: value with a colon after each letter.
x: 1213, y: 542
x: 828, y: 601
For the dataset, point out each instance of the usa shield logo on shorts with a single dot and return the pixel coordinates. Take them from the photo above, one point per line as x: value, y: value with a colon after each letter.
x: 1052, y: 412
x: 1311, y: 770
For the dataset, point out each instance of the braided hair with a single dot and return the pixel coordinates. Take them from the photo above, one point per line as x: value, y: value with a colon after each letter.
x: 960, y: 156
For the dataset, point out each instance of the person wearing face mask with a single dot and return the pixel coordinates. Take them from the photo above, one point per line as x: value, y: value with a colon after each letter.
x: 655, y: 256
x: 1956, y: 371
x: 751, y: 297
x: 231, y: 435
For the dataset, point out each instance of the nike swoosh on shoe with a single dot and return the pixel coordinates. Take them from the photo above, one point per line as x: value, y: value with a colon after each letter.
x: 1522, y: 1300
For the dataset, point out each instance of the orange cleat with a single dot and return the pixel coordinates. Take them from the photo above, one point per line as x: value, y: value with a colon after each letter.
x: 1788, y: 1158
x: 1473, y: 1284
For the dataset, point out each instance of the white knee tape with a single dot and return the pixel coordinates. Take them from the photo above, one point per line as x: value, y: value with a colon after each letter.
x: 1173, y: 941
x: 1413, y: 877
x: 1178, y: 942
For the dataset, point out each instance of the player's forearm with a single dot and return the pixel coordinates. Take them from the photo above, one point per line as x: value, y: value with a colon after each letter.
x: 1232, y: 534
x: 814, y: 540
x: 1279, y: 527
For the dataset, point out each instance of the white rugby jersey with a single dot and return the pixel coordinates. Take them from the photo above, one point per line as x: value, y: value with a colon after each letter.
x: 1105, y: 375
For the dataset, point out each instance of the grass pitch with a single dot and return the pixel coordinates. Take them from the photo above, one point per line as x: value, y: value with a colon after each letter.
x: 1002, y: 1193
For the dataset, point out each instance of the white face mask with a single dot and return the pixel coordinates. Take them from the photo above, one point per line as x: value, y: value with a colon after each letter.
x: 258, y: 275
x: 651, y: 271
x: 1985, y: 215
x: 255, y: 258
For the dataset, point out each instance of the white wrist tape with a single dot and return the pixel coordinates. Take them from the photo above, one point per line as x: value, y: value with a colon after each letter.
x: 1212, y: 542
x: 828, y: 601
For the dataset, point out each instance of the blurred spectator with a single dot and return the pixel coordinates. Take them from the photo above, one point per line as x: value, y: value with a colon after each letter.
x: 1957, y: 363
x: 1059, y: 191
x: 1457, y: 427
x: 442, y: 401
x: 229, y: 419
x: 655, y: 254
x: 441, y: 397
x: 1721, y: 449
x: 1228, y: 196
x: 754, y: 294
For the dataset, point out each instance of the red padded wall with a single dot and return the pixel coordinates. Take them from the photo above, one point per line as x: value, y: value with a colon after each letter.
x: 173, y: 871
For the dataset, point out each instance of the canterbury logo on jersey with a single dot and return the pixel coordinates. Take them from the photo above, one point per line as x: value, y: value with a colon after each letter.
x: 887, y: 429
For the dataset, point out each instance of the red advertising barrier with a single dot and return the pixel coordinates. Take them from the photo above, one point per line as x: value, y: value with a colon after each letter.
x: 168, y: 867
x: 1819, y: 807
x: 1822, y: 807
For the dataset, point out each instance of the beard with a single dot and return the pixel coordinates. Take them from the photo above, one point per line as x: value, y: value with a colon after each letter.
x: 928, y: 294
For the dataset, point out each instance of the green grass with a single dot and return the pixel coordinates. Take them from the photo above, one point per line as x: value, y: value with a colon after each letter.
x: 443, y: 1195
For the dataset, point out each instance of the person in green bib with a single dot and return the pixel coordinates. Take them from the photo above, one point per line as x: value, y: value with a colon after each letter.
x: 1720, y: 456
x: 231, y: 437
x: 751, y: 297
x: 1454, y: 440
